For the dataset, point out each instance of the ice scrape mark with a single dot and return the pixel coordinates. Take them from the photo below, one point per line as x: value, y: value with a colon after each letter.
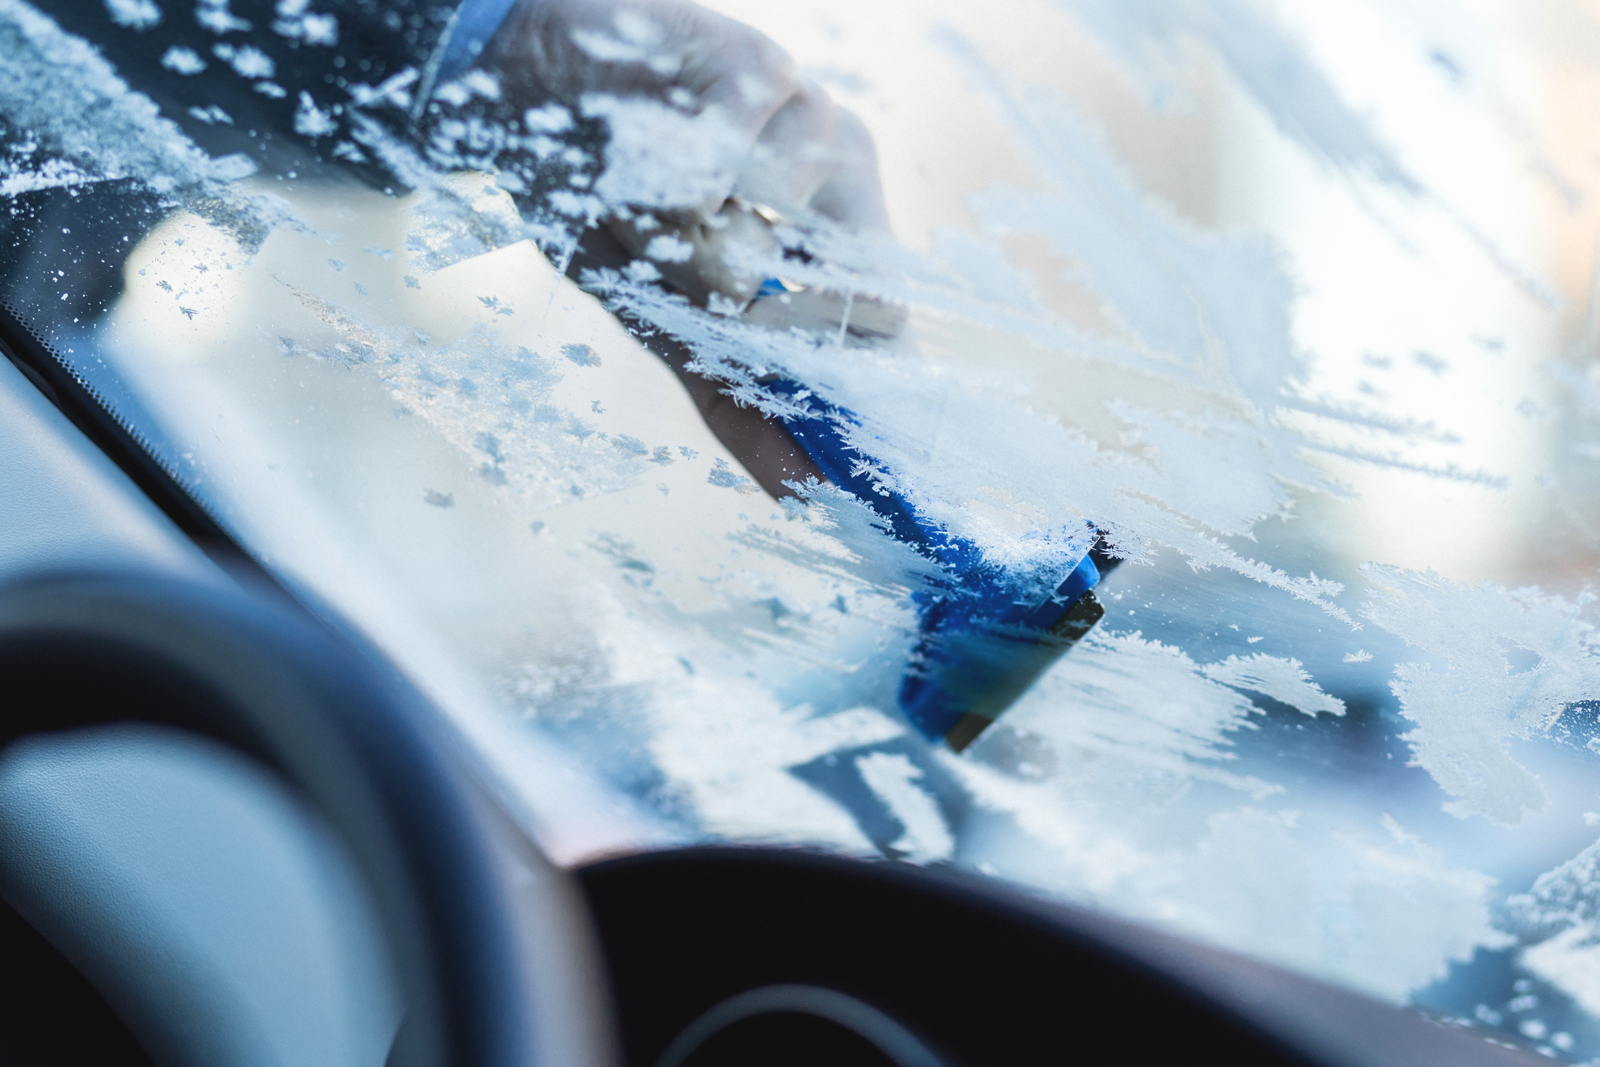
x: 1141, y: 710
x: 1507, y: 663
x: 1212, y: 312
x: 1284, y: 680
x: 894, y: 778
x: 1175, y: 290
x: 859, y: 550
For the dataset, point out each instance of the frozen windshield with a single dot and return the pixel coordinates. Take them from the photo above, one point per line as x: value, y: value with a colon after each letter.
x: 1145, y: 450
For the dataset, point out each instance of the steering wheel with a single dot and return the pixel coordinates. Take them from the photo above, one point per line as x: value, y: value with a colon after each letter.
x: 493, y: 945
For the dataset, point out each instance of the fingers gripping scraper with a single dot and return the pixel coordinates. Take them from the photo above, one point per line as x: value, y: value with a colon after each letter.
x: 982, y: 642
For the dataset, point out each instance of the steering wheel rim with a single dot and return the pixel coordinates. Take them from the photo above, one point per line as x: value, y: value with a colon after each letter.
x: 493, y: 946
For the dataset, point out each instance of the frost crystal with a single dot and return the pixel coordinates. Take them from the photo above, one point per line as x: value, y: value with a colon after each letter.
x: 248, y: 62
x: 658, y: 157
x: 311, y: 121
x: 215, y: 16
x: 183, y: 60
x: 295, y: 21
x: 134, y: 14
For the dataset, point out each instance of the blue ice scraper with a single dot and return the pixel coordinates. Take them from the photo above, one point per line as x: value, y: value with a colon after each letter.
x: 982, y: 643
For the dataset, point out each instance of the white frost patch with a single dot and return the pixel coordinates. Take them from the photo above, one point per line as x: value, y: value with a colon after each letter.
x: 211, y: 115
x: 894, y: 778
x: 728, y: 747
x: 51, y: 174
x: 669, y: 249
x: 551, y: 118
x: 311, y: 121
x: 1507, y: 663
x: 295, y: 21
x: 1570, y: 961
x: 1284, y: 680
x: 215, y: 16
x: 1567, y: 895
x: 659, y: 157
x: 1369, y: 907
x: 183, y: 60
x: 248, y: 62
x: 1385, y: 916
x: 134, y: 14
x: 1560, y: 915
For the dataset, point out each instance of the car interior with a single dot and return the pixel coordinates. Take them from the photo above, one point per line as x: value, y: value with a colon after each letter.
x: 239, y: 827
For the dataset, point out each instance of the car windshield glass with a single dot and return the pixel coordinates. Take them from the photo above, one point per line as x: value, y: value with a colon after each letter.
x: 1146, y: 451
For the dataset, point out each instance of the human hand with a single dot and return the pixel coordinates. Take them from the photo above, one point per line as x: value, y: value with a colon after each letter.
x: 715, y: 137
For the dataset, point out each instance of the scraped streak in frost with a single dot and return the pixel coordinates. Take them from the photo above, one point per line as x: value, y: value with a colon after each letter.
x: 1145, y: 707
x: 865, y: 555
x: 1212, y: 312
x: 1284, y: 680
x: 894, y: 778
x: 1510, y: 661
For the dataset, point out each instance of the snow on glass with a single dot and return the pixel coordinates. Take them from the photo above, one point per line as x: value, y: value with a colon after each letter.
x: 1338, y: 797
